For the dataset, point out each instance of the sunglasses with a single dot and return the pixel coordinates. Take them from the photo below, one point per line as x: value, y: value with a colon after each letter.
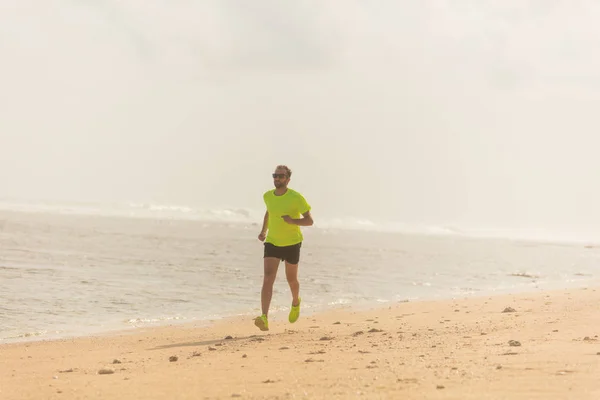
x: 280, y: 176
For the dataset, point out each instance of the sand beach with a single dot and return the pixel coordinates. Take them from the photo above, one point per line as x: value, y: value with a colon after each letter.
x: 542, y: 345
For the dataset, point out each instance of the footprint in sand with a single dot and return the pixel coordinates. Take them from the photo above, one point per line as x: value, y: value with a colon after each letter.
x: 407, y: 380
x: 564, y: 372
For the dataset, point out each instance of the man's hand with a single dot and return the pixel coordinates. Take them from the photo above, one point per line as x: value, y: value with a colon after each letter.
x: 289, y: 219
x: 262, y: 236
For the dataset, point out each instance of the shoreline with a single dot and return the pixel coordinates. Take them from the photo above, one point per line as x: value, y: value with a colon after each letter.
x: 281, y: 310
x: 467, y: 348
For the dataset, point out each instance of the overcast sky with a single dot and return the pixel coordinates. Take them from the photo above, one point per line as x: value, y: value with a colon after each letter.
x: 440, y: 112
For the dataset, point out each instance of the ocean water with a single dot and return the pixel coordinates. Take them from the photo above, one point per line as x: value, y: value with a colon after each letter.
x: 68, y: 270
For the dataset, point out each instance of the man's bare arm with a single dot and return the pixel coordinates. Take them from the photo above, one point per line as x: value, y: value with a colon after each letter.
x: 307, y: 220
x: 263, y: 232
x: 265, y: 222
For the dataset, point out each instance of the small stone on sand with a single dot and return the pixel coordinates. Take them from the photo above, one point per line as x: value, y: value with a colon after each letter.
x: 106, y: 371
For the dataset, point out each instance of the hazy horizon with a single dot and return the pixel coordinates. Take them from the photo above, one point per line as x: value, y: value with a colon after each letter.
x: 436, y: 112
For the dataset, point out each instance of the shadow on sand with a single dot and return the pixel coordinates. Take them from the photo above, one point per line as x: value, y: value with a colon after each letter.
x: 252, y: 338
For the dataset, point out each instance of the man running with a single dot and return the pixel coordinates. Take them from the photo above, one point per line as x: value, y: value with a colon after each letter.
x: 287, y: 211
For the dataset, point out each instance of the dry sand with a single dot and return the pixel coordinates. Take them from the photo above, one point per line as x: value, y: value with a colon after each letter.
x: 548, y: 348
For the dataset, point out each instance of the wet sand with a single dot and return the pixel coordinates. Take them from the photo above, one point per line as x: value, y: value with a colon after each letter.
x: 542, y: 345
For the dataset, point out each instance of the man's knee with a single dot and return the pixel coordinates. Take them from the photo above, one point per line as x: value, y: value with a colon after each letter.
x: 293, y: 281
x: 270, y: 275
x: 291, y: 272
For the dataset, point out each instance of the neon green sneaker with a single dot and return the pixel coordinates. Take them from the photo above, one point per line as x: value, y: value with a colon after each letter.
x: 295, y: 312
x: 262, y: 322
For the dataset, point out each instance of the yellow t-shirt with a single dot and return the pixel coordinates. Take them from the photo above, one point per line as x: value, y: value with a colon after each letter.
x: 291, y: 203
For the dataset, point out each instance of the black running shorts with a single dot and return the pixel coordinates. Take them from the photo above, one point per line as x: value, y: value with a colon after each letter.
x: 291, y: 254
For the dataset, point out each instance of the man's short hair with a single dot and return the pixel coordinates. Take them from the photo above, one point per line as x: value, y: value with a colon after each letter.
x: 287, y: 170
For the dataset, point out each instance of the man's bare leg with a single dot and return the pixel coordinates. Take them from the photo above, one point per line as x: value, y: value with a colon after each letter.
x: 271, y: 266
x: 291, y: 273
